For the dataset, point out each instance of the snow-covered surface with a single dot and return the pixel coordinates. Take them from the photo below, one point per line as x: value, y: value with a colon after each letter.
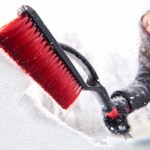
x: 106, y: 32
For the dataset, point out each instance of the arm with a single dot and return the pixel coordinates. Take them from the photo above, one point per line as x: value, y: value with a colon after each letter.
x: 137, y: 94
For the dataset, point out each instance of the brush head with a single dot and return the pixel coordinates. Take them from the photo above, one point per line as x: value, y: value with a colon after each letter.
x: 26, y: 44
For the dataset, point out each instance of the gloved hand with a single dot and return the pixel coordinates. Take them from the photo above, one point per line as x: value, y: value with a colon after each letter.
x: 116, y: 120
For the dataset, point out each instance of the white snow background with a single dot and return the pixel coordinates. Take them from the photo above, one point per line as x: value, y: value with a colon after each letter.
x: 107, y: 33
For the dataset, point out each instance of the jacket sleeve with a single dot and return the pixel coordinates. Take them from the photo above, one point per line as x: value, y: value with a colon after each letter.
x: 137, y: 93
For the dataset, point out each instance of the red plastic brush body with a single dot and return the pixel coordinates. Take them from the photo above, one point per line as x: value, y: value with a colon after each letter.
x: 23, y: 41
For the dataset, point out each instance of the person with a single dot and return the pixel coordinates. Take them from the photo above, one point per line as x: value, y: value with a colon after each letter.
x: 137, y: 94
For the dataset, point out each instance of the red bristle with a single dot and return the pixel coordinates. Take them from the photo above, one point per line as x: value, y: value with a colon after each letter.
x: 22, y: 40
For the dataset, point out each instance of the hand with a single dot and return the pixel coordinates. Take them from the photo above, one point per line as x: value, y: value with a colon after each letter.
x: 116, y: 120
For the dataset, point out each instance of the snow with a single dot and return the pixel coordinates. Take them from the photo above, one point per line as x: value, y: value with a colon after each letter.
x: 107, y: 33
x: 25, y: 124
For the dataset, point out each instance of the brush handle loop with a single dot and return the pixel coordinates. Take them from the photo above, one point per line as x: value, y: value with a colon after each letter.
x: 86, y: 63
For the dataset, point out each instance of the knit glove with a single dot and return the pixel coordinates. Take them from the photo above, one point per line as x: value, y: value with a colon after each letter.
x: 116, y: 120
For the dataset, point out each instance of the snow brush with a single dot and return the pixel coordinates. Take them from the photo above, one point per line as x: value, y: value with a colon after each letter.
x: 30, y: 44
